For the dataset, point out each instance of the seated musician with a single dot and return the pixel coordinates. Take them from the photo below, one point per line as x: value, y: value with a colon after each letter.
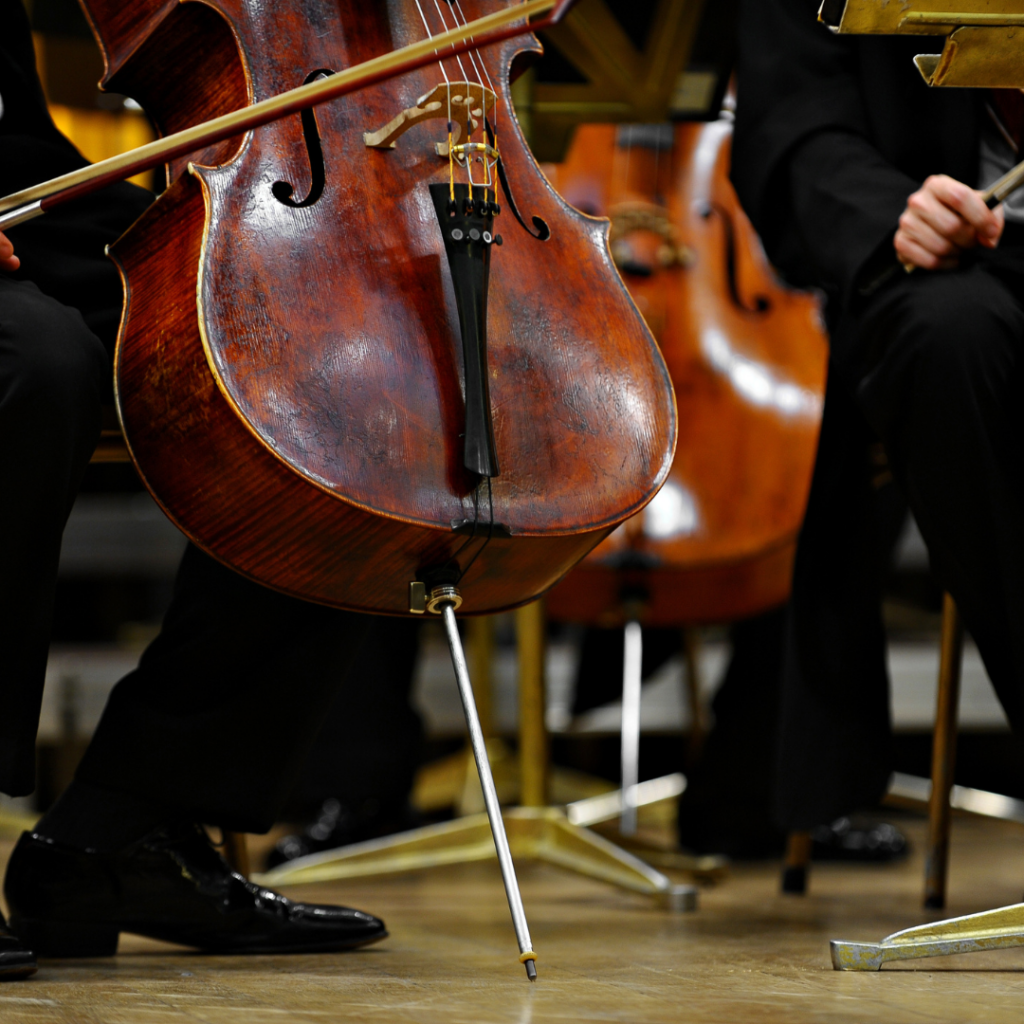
x: 214, y: 724
x: 847, y: 165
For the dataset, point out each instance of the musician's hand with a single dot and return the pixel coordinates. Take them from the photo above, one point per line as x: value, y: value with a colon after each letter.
x: 942, y: 219
x: 8, y: 261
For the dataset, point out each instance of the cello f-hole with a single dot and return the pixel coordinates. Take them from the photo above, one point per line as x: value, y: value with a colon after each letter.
x: 283, y: 191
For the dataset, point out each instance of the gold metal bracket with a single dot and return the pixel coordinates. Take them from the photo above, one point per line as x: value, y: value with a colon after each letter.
x: 417, y: 597
x: 983, y: 48
x: 469, y: 103
x: 992, y: 929
x: 973, y: 57
x: 467, y: 149
x: 919, y: 17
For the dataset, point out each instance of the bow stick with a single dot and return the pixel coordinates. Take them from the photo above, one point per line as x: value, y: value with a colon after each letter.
x: 486, y: 31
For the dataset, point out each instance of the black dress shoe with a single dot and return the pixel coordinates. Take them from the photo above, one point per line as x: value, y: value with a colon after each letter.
x: 171, y: 885
x: 16, y: 959
x: 864, y: 840
x: 339, y: 823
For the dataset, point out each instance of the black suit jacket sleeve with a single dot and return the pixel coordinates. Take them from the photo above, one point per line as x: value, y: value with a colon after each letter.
x: 61, y: 252
x: 846, y: 200
x: 833, y: 133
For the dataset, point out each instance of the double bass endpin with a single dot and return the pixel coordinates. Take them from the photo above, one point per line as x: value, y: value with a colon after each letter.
x: 443, y: 601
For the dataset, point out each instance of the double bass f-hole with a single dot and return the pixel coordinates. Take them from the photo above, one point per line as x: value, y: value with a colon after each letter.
x: 283, y: 191
x: 761, y: 303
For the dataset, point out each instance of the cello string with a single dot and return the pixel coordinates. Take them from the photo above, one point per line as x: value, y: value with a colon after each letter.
x: 478, y: 66
x: 475, y: 54
x: 458, y: 57
x: 490, y: 528
x: 467, y: 157
x: 456, y: 11
x: 657, y: 161
x: 440, y: 64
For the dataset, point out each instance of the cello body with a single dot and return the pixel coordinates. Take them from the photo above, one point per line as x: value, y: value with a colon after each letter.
x: 748, y: 359
x: 289, y: 370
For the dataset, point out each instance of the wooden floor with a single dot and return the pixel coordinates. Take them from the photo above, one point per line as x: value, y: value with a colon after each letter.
x: 748, y: 955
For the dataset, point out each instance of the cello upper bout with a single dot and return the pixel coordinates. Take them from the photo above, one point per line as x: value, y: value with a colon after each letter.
x: 161, y: 52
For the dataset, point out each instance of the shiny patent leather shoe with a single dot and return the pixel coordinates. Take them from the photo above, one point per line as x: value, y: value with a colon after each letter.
x: 16, y: 959
x: 340, y: 824
x: 172, y: 885
x: 866, y: 841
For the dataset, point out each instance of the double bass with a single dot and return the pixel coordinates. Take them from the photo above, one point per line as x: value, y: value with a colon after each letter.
x: 747, y: 357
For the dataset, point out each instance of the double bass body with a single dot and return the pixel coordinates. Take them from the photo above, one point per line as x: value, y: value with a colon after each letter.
x: 289, y: 370
x: 747, y: 357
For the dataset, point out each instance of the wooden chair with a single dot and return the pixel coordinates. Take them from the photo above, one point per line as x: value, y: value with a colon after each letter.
x: 112, y: 448
x: 798, y: 848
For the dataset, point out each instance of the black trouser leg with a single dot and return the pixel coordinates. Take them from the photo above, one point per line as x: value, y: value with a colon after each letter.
x: 726, y: 807
x: 224, y: 706
x: 368, y: 748
x: 52, y: 374
x: 834, y: 731
x: 945, y: 396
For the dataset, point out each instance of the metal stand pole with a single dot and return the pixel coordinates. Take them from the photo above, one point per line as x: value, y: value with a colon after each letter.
x: 533, y: 737
x: 483, y: 767
x: 632, y: 666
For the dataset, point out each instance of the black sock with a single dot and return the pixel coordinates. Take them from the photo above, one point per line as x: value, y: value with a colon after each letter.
x: 91, y: 818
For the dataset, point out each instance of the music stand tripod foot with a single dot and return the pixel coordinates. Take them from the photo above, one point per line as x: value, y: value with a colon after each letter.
x: 991, y: 929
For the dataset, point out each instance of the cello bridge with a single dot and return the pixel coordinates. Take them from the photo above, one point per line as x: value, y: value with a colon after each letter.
x: 468, y: 102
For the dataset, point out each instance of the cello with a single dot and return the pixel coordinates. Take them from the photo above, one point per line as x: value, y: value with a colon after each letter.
x: 318, y: 376
x: 294, y: 398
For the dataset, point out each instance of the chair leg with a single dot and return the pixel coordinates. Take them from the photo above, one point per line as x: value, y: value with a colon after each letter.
x: 698, y: 718
x: 236, y: 852
x: 943, y: 755
x: 533, y: 736
x: 797, y: 863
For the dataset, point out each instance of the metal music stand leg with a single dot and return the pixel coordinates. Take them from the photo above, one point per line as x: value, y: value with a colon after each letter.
x: 632, y: 671
x: 992, y: 929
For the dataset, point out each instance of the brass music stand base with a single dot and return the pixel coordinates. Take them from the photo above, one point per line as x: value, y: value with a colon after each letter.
x: 707, y: 867
x: 452, y: 781
x: 13, y: 823
x: 991, y: 929
x: 534, y: 833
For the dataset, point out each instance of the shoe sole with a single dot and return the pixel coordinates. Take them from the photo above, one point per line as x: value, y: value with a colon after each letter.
x: 291, y: 950
x: 15, y: 967
x: 60, y: 941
